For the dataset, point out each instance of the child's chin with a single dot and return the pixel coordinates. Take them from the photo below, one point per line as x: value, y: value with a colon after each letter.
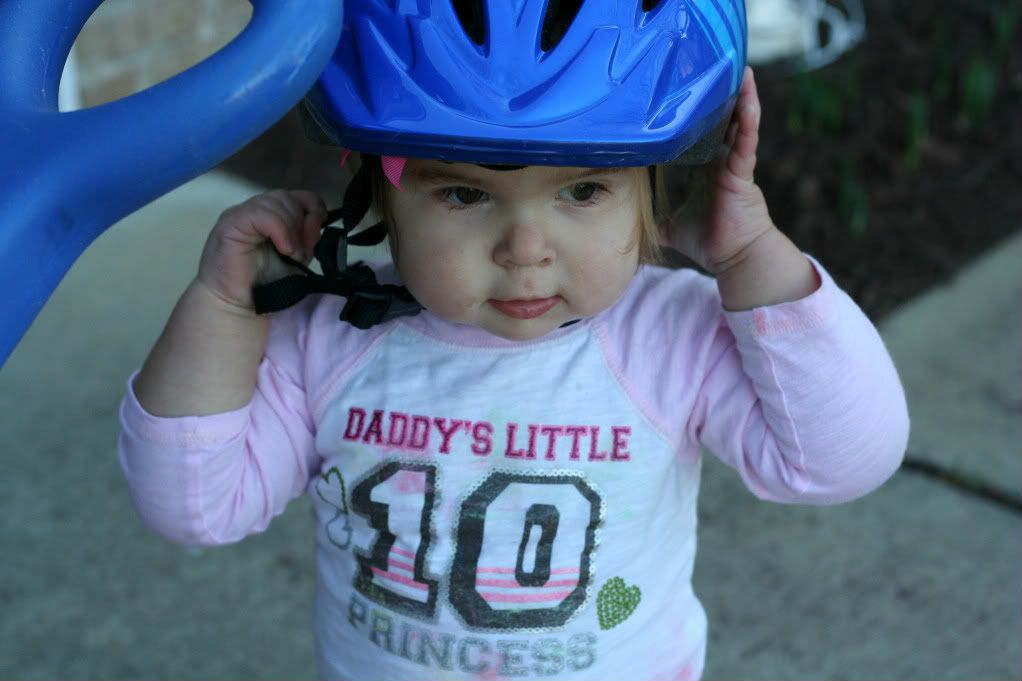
x: 522, y: 330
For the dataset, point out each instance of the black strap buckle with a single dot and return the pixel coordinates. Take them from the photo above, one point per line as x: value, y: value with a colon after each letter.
x: 367, y: 308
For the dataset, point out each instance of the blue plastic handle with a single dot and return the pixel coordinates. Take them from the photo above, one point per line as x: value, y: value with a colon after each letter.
x: 67, y: 176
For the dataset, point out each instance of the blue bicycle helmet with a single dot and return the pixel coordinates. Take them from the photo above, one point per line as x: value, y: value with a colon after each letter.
x: 532, y: 82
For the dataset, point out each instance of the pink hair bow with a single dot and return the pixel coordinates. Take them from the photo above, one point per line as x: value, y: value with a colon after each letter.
x: 393, y: 166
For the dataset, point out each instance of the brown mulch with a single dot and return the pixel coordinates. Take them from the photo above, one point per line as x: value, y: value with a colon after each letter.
x: 882, y: 165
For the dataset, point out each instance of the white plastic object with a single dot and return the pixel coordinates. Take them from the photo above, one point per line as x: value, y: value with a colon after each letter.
x: 790, y: 31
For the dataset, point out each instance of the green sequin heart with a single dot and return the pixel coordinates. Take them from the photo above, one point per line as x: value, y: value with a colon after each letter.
x: 616, y: 602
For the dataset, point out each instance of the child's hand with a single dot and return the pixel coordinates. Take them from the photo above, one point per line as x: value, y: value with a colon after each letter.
x: 728, y: 213
x: 239, y: 250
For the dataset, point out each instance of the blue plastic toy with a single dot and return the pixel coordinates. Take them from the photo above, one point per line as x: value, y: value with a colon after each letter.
x: 67, y: 176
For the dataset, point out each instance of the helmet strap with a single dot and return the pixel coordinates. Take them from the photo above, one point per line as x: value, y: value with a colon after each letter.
x: 369, y: 302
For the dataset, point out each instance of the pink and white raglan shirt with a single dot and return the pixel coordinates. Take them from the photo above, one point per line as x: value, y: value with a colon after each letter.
x: 488, y: 509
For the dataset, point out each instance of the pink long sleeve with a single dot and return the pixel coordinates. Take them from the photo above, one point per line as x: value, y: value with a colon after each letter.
x: 219, y: 478
x: 216, y: 479
x: 801, y: 399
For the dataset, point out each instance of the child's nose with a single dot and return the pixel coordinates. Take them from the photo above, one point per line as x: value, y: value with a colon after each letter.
x: 523, y: 245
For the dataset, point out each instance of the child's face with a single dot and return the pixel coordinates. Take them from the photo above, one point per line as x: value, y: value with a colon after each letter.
x: 517, y: 253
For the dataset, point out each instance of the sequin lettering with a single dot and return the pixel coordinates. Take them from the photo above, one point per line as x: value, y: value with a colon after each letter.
x: 534, y: 658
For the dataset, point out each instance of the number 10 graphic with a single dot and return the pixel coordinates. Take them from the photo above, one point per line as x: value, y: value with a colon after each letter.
x: 523, y: 546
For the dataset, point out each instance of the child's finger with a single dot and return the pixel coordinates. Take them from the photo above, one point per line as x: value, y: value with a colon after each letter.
x: 266, y: 218
x: 254, y: 222
x: 309, y: 235
x: 315, y: 212
x: 742, y: 157
x: 282, y: 204
x: 302, y: 214
x: 311, y: 202
x: 273, y: 225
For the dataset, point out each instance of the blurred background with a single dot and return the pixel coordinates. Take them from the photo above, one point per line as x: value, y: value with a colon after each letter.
x: 891, y: 149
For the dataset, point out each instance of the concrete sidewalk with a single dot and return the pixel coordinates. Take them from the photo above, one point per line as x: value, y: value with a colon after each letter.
x: 917, y: 581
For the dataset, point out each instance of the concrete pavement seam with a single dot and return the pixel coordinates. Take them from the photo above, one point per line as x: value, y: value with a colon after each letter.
x: 964, y: 482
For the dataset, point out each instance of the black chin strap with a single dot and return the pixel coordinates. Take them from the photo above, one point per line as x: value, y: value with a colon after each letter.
x: 369, y: 302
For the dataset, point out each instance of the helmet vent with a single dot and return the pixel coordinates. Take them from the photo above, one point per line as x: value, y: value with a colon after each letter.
x: 650, y: 5
x: 472, y: 18
x: 559, y: 15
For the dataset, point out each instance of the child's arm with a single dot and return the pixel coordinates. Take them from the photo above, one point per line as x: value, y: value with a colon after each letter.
x: 730, y: 233
x: 799, y: 394
x: 219, y: 439
x: 206, y: 359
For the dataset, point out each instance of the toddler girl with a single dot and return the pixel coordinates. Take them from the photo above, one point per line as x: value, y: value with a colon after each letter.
x: 502, y: 437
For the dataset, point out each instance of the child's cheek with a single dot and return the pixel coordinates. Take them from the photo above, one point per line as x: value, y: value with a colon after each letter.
x: 604, y: 274
x: 440, y: 280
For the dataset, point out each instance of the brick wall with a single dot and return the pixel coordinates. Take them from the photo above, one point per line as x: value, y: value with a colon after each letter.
x: 128, y: 45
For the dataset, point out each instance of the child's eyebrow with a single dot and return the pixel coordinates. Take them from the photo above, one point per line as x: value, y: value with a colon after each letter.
x: 577, y: 175
x: 442, y: 175
x: 436, y: 174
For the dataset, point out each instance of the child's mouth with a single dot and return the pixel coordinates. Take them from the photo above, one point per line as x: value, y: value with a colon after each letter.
x: 525, y: 309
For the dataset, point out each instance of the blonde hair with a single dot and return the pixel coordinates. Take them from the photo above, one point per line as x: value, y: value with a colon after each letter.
x: 654, y: 208
x: 651, y: 196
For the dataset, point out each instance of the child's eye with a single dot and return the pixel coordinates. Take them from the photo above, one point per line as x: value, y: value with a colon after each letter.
x: 462, y: 196
x: 581, y: 192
